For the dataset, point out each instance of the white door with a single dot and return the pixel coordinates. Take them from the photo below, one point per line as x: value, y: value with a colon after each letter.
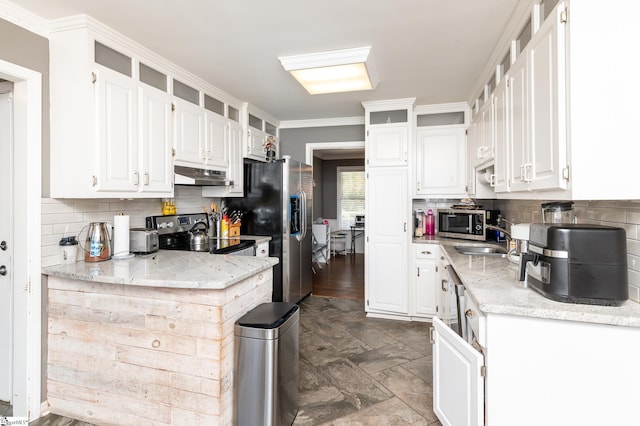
x: 157, y: 139
x: 6, y: 246
x: 387, y: 145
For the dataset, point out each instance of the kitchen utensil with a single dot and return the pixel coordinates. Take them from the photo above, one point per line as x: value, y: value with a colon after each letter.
x: 198, y: 237
x: 98, y: 243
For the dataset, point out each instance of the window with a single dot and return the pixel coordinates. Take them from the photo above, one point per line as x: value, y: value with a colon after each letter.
x: 350, y: 194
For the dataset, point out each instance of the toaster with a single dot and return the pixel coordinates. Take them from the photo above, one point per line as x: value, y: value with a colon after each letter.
x: 143, y: 240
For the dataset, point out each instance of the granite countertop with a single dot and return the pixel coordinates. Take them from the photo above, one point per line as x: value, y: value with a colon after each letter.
x: 169, y: 269
x: 493, y: 284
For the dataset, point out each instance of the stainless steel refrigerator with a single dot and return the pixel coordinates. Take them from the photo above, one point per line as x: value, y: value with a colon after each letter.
x: 278, y: 202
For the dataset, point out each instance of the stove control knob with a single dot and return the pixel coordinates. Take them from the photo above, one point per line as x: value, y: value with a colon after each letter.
x: 170, y: 225
x: 162, y: 225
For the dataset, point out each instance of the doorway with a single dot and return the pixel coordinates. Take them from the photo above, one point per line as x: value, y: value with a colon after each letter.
x: 342, y: 276
x: 6, y: 243
x: 22, y: 199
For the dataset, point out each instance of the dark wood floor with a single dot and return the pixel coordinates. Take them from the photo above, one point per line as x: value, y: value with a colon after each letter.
x: 342, y: 277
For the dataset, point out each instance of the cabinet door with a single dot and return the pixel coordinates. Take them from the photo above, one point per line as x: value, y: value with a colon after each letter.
x: 425, y: 304
x: 387, y: 145
x: 117, y: 139
x: 486, y: 150
x: 500, y: 100
x: 156, y: 139
x: 216, y: 151
x: 518, y: 124
x: 548, y: 136
x: 254, y: 146
x: 387, y: 240
x: 189, y: 130
x: 472, y: 146
x: 236, y: 165
x: 440, y: 162
x: 458, y: 386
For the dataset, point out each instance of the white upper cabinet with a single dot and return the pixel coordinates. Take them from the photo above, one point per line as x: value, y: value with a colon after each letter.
x: 156, y: 138
x: 439, y: 157
x: 123, y: 111
x: 190, y: 143
x: 259, y: 127
x: 570, y: 112
x: 100, y: 115
x: 501, y: 116
x: 116, y: 114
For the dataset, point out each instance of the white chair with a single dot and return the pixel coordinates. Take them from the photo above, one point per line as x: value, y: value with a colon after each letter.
x: 339, y: 242
x: 321, y: 248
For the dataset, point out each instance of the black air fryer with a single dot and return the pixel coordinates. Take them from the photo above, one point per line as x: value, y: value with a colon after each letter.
x: 572, y: 263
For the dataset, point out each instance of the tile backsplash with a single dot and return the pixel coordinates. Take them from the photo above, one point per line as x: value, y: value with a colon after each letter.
x: 66, y: 217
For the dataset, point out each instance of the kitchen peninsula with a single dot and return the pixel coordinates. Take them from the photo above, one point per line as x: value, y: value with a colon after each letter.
x: 149, y: 340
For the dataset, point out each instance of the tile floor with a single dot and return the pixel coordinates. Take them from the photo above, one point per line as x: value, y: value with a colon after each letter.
x: 354, y: 370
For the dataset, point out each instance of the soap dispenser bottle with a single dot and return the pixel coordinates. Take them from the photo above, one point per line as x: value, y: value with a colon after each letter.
x: 430, y: 223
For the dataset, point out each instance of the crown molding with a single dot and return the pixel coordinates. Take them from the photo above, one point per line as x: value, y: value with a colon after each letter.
x: 23, y: 18
x: 322, y: 122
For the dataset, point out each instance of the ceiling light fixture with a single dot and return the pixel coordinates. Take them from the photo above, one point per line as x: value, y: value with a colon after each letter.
x: 346, y: 70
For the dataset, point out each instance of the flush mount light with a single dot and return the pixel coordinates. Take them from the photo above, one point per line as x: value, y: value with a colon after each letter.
x: 346, y: 70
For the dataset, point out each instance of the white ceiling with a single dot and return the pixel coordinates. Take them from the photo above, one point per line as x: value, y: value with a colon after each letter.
x: 433, y: 50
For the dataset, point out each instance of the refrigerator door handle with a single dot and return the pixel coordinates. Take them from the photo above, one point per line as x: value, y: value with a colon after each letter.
x: 303, y: 216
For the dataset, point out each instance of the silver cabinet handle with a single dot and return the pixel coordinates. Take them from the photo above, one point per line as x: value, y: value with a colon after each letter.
x: 425, y: 252
x: 468, y: 313
x: 3, y: 245
x: 3, y: 270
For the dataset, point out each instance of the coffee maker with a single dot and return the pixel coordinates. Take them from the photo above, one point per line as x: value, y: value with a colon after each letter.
x: 572, y: 263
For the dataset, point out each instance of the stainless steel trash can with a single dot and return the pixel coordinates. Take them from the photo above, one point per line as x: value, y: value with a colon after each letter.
x: 266, y: 365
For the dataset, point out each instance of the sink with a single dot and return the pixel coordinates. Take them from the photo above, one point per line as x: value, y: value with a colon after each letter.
x: 482, y: 250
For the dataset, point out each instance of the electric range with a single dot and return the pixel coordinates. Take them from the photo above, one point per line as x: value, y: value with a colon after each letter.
x: 173, y: 234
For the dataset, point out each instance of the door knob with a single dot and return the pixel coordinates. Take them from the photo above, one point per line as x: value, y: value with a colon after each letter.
x: 3, y: 270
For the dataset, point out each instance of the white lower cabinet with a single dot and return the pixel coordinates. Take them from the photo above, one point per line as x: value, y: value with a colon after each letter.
x: 538, y: 372
x: 262, y: 249
x: 387, y: 241
x: 458, y: 385
x: 424, y: 295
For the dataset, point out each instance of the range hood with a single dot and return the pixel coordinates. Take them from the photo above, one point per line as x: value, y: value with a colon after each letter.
x: 201, y: 177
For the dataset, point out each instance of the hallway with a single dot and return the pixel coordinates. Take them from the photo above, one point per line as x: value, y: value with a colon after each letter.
x: 342, y: 277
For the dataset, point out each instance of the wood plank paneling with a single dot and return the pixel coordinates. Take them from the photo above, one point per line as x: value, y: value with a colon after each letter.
x: 159, y: 356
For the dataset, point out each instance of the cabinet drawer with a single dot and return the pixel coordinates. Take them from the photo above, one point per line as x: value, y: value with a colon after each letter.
x: 427, y: 251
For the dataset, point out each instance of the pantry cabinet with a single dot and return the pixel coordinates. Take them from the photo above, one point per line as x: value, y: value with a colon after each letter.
x: 387, y: 145
x: 388, y: 126
x: 387, y: 241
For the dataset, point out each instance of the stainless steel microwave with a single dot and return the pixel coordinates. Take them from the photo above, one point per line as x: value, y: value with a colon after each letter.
x: 466, y: 224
